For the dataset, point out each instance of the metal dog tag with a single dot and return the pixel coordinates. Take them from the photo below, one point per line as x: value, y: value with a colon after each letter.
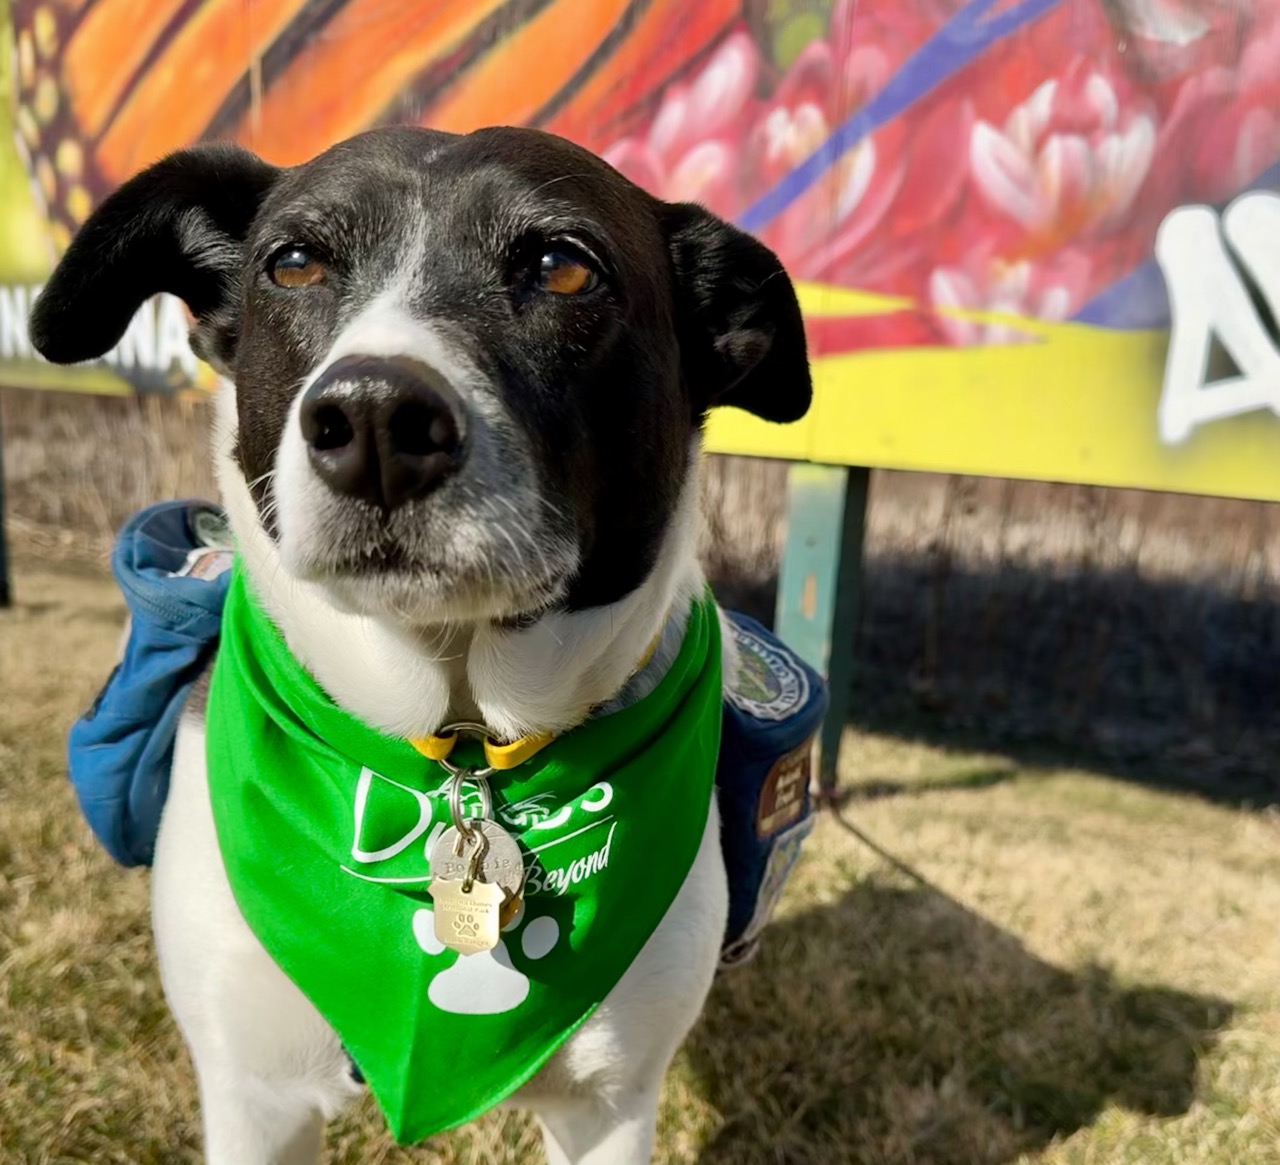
x: 467, y: 920
x: 501, y: 863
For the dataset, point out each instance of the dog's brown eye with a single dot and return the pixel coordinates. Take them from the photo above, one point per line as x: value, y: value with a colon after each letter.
x: 296, y: 267
x: 564, y: 273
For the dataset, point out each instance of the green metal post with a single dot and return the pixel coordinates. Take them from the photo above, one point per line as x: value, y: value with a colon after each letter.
x: 820, y: 587
x: 6, y: 592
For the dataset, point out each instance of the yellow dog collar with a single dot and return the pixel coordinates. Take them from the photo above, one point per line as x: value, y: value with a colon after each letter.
x: 506, y: 756
x: 498, y: 756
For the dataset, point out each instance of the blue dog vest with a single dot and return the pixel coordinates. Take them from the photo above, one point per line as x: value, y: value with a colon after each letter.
x: 121, y: 750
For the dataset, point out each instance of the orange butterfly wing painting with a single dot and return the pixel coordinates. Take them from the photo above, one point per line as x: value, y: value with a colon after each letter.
x: 104, y: 87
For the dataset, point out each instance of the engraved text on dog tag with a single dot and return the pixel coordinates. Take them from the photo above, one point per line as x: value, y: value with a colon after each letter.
x: 501, y: 861
x: 467, y: 920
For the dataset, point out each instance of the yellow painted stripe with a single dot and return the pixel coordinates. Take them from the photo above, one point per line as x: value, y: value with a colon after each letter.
x: 822, y: 301
x: 1080, y: 406
x: 819, y: 300
x: 95, y: 381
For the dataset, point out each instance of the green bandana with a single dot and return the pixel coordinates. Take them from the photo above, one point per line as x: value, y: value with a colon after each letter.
x: 325, y: 827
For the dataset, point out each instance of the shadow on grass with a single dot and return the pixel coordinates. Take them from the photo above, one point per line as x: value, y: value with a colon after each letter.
x: 974, y: 781
x: 1168, y: 683
x: 896, y: 1027
x: 1198, y: 767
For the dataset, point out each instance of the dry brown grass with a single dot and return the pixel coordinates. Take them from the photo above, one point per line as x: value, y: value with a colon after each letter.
x: 82, y: 464
x: 1082, y: 972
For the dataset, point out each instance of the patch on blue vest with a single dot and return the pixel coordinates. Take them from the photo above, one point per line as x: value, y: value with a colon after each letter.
x: 773, y: 709
x: 170, y: 561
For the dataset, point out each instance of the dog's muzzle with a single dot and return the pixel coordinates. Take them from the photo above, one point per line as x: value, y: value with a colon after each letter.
x: 385, y: 430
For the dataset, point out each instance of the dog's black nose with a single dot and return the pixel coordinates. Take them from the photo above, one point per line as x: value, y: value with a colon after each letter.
x: 383, y: 429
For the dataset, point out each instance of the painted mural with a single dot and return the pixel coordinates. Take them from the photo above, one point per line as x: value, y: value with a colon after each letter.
x: 969, y: 192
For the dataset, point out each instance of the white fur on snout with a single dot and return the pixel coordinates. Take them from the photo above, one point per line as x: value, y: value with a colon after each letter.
x: 386, y: 675
x: 479, y: 542
x: 383, y: 328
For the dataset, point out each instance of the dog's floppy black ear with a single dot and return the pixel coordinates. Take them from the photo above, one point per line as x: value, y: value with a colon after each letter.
x: 741, y: 331
x: 178, y: 227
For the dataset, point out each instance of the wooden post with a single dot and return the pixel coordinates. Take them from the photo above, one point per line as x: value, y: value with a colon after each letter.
x: 820, y: 587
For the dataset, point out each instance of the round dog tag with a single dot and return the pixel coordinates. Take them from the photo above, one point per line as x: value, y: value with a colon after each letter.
x: 501, y: 864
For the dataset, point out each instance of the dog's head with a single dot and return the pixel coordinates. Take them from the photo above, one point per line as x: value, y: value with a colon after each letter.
x: 469, y: 370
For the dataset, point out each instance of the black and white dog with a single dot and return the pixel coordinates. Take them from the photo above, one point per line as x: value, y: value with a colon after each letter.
x: 459, y: 449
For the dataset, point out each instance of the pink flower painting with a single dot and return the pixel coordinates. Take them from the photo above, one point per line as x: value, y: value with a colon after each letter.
x: 992, y: 160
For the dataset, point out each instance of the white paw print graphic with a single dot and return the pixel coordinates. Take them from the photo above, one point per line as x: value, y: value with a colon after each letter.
x: 485, y: 983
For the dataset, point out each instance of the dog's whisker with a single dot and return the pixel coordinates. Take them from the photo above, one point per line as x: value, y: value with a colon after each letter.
x: 257, y: 481
x: 526, y: 532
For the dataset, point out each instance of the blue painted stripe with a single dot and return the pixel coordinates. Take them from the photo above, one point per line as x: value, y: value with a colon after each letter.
x: 955, y: 46
x: 1140, y: 300
x: 1136, y: 301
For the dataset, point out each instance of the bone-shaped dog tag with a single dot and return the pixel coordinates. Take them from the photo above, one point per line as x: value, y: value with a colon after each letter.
x: 467, y: 920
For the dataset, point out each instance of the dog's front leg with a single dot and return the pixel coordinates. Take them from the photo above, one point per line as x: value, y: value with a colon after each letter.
x: 270, y: 1069
x: 590, y: 1131
x: 261, y: 1097
x: 597, y: 1101
x: 240, y: 1127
